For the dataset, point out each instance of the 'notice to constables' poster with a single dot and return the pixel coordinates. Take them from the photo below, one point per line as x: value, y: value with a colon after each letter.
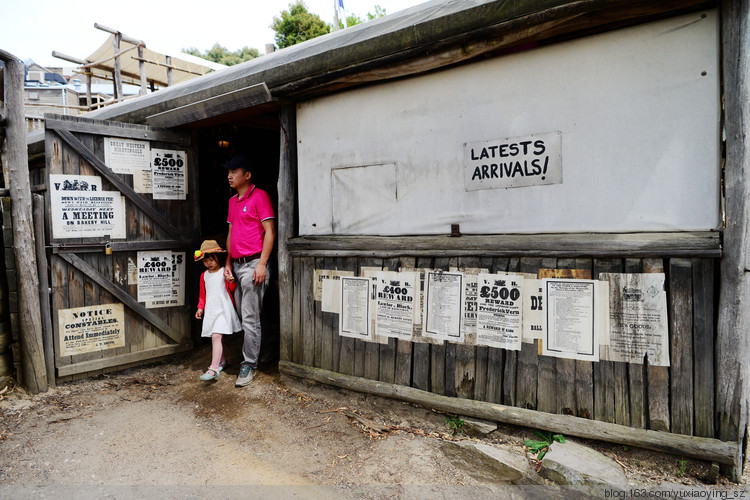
x: 394, y: 304
x: 92, y: 328
x: 499, y: 306
x: 443, y: 305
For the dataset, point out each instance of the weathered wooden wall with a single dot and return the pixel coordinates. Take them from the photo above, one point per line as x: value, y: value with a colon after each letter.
x: 678, y: 399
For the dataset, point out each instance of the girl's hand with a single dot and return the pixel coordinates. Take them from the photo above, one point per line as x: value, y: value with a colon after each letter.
x: 199, y: 314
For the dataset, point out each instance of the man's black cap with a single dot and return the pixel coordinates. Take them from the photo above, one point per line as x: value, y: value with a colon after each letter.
x: 240, y: 161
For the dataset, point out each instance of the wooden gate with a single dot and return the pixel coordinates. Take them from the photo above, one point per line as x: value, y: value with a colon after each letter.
x: 113, y: 239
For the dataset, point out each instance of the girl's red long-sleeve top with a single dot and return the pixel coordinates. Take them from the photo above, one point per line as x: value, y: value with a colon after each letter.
x: 231, y: 286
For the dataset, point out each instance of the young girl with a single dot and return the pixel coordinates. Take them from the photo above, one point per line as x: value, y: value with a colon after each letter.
x: 217, y: 302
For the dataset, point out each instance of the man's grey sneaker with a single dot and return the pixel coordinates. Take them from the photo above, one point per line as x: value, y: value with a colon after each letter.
x: 245, y: 377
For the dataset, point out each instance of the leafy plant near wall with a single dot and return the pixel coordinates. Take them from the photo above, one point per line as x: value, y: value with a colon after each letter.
x: 454, y: 424
x: 541, y: 446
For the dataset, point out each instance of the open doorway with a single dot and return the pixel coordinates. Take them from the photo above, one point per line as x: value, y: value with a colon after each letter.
x: 258, y: 138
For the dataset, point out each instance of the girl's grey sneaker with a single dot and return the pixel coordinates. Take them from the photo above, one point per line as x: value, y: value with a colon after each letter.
x: 245, y: 377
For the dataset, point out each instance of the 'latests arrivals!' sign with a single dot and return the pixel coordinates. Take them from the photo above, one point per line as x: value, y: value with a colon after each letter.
x: 532, y: 160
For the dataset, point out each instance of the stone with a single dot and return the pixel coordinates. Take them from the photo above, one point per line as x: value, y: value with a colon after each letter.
x: 475, y: 427
x: 487, y: 463
x: 571, y: 463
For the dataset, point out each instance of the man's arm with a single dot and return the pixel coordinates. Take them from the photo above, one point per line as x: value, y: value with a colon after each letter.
x: 259, y: 275
x: 228, y: 266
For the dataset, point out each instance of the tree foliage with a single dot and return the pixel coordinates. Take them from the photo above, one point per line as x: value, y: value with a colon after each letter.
x: 297, y: 25
x: 354, y: 19
x: 222, y: 55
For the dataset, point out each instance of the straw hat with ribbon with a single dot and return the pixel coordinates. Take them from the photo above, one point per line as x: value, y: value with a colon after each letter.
x: 208, y: 246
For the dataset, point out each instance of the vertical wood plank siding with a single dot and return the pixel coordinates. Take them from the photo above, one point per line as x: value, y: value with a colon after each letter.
x: 679, y: 398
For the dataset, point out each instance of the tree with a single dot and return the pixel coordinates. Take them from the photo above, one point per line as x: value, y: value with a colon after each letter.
x: 222, y: 55
x: 379, y: 12
x: 354, y: 19
x: 297, y: 25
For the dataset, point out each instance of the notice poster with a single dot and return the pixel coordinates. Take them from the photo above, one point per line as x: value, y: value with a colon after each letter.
x: 638, y: 322
x: 533, y: 310
x: 154, y: 276
x: 394, y: 304
x: 168, y: 174
x: 354, y: 319
x: 142, y: 182
x: 126, y: 156
x: 571, y: 320
x: 177, y: 297
x: 321, y: 275
x: 499, y: 306
x: 443, y: 305
x: 91, y: 328
x: 80, y: 209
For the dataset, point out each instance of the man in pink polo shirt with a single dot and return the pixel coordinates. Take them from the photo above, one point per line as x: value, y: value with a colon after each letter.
x: 250, y: 242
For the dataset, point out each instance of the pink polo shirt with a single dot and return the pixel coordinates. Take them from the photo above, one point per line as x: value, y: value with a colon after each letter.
x: 246, y: 215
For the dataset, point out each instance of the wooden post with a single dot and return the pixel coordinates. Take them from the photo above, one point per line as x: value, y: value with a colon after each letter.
x: 286, y: 226
x: 116, y: 75
x: 733, y: 329
x: 142, y: 68
x: 44, y: 302
x: 170, y: 72
x: 17, y: 161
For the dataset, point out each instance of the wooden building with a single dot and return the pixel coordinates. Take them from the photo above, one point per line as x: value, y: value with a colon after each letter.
x: 366, y: 138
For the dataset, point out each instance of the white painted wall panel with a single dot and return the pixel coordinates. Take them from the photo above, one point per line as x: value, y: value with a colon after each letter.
x: 638, y: 110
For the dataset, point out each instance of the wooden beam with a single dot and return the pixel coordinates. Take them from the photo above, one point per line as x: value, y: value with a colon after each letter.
x: 619, y: 245
x: 131, y: 357
x: 16, y: 164
x: 115, y: 129
x: 213, y: 106
x: 702, y: 448
x: 732, y: 339
x: 44, y: 290
x: 286, y: 226
x: 123, y: 296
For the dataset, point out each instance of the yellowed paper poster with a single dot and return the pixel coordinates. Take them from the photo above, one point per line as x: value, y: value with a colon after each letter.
x: 91, y: 328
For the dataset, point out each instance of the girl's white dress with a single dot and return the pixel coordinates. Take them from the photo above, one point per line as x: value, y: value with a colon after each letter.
x: 219, y: 315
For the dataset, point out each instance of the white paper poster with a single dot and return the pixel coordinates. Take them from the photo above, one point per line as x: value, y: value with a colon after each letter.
x: 80, y: 209
x: 177, y: 297
x: 168, y: 174
x: 499, y: 305
x: 91, y: 328
x: 533, y: 310
x: 354, y: 319
x: 321, y: 275
x: 394, y: 304
x: 126, y: 156
x: 154, y: 276
x: 572, y: 321
x: 444, y: 300
x: 638, y: 323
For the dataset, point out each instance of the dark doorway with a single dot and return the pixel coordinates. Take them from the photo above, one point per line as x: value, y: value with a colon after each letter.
x: 257, y: 137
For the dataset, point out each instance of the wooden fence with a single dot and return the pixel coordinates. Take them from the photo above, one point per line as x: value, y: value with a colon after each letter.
x: 677, y: 399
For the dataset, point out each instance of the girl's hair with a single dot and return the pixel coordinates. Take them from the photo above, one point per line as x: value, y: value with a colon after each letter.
x: 221, y: 258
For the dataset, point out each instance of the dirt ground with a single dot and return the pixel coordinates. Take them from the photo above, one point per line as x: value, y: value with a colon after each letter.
x: 159, y: 426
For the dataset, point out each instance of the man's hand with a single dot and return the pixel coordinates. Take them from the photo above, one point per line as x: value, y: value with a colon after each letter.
x: 199, y: 314
x: 228, y: 272
x: 259, y: 274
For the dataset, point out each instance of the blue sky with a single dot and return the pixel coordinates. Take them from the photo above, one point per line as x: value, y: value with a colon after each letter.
x: 32, y: 29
